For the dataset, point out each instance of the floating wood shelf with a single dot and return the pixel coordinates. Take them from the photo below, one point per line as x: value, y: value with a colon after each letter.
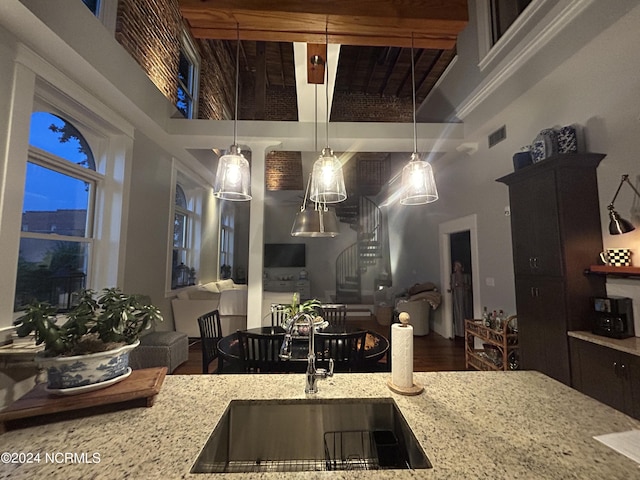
x: 609, y: 271
x: 39, y: 406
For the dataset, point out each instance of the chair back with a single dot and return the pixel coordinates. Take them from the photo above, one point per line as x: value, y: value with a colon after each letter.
x: 260, y: 353
x: 346, y: 349
x: 336, y: 315
x: 278, y: 315
x: 210, y: 335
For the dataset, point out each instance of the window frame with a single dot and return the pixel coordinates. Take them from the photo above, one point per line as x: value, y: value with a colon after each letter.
x: 190, y: 53
x: 227, y: 235
x: 61, y: 165
x: 193, y: 191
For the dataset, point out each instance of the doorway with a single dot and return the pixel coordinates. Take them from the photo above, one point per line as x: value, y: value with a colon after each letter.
x: 461, y: 281
x: 468, y: 230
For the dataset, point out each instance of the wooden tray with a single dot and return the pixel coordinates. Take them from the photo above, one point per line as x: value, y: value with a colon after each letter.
x: 138, y: 389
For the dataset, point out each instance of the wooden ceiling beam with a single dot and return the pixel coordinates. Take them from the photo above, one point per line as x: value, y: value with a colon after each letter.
x: 434, y: 24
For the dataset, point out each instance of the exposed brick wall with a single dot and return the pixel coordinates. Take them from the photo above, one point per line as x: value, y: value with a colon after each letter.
x: 283, y: 171
x: 217, y: 81
x: 281, y: 103
x: 151, y: 31
x: 362, y: 107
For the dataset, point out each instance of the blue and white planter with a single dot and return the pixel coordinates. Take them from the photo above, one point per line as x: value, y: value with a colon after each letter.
x: 83, y: 370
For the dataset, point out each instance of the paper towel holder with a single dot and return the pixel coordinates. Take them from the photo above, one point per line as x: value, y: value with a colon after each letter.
x: 416, y: 388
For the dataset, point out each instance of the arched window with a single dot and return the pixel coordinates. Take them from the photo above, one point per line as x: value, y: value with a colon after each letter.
x: 57, y: 213
x: 182, y: 271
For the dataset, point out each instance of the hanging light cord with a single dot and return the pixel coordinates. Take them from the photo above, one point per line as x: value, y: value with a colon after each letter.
x: 413, y: 87
x: 315, y: 130
x: 326, y: 85
x: 235, y: 116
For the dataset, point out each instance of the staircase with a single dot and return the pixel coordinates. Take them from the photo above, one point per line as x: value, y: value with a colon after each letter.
x: 365, y: 263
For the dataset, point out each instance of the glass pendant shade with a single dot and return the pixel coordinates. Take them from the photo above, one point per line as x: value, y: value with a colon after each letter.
x: 327, y: 179
x: 315, y: 222
x: 233, y: 180
x: 418, y: 183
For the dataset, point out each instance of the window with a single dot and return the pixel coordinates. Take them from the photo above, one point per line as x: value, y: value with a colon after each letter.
x: 503, y: 14
x: 188, y: 69
x: 182, y: 274
x: 57, y: 213
x: 93, y: 5
x: 227, y: 221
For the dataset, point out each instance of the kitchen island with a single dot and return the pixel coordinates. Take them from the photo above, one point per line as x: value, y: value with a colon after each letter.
x: 498, y: 425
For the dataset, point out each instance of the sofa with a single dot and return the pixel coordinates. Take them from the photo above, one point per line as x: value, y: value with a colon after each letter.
x: 229, y: 298
x: 419, y: 301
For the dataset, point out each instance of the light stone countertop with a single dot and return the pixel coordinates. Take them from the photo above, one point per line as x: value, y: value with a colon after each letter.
x: 628, y: 345
x: 494, y: 425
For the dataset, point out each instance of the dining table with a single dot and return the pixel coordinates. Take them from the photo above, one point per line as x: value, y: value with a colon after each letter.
x: 375, y: 349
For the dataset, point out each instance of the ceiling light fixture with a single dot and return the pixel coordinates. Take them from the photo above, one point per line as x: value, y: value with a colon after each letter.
x: 319, y: 221
x: 617, y: 224
x: 418, y: 183
x: 233, y: 178
x: 327, y: 178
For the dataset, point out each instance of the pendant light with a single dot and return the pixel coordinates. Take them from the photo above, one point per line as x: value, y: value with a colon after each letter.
x: 233, y: 180
x: 327, y: 178
x: 418, y: 183
x: 318, y: 221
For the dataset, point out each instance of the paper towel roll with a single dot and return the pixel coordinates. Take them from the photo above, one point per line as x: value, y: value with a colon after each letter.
x: 402, y: 355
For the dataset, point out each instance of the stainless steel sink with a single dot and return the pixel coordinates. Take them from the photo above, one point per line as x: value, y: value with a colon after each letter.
x: 310, y: 435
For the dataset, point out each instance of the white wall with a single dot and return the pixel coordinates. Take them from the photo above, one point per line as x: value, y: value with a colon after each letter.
x: 598, y: 88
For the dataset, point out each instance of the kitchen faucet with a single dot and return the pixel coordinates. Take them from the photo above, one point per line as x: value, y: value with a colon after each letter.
x: 313, y: 373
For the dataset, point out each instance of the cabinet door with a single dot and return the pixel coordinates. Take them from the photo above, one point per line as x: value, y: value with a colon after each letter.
x: 599, y: 369
x: 632, y: 405
x: 542, y: 326
x: 537, y: 248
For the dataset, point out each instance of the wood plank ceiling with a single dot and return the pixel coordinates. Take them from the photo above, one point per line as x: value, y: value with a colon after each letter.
x: 375, y: 38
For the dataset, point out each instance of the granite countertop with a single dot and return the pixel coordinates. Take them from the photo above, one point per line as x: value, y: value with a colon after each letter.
x: 497, y: 425
x: 628, y: 345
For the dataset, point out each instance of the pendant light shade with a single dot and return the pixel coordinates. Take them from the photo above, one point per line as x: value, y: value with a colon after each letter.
x: 233, y: 177
x: 327, y: 179
x: 318, y: 221
x: 418, y: 182
x: 233, y: 180
x: 315, y: 222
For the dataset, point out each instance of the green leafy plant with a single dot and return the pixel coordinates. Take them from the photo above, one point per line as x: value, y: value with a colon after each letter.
x: 309, y: 306
x: 93, y: 325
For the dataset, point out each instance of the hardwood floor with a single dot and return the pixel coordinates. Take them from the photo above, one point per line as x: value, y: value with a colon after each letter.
x: 431, y: 353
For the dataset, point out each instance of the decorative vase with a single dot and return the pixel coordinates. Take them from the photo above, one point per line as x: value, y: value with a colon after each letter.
x: 90, y: 369
x: 567, y: 140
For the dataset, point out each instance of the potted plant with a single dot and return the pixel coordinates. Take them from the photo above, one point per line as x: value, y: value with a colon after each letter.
x: 295, y: 307
x: 92, y: 346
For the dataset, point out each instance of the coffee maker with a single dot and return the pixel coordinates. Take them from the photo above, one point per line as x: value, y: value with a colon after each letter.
x: 614, y: 317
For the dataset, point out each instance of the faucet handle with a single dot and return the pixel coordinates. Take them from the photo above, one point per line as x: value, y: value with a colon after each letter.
x: 330, y: 372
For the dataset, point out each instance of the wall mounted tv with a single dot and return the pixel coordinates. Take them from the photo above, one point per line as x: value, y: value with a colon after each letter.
x: 284, y: 255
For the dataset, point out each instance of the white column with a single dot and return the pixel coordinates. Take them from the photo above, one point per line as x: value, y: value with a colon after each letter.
x: 17, y: 85
x: 259, y: 151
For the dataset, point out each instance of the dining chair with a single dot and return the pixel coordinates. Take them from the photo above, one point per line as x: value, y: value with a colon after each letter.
x: 259, y: 352
x: 278, y: 314
x: 336, y: 315
x: 346, y: 349
x: 210, y: 335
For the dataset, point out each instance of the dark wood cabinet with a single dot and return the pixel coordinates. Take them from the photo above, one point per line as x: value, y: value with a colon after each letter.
x: 556, y: 232
x: 606, y: 374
